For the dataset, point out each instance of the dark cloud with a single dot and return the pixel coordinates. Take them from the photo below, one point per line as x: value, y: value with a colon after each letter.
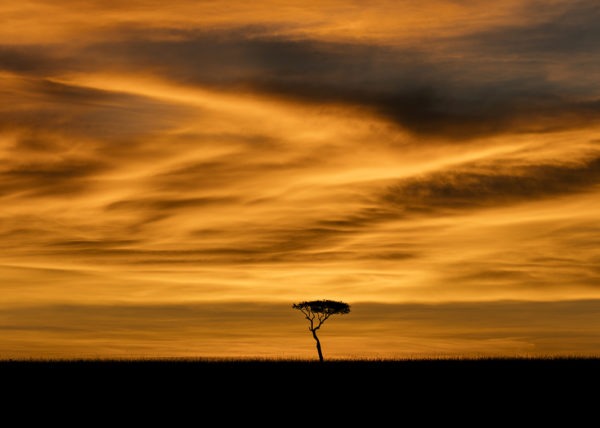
x: 33, y: 60
x: 80, y: 96
x: 488, y: 82
x: 42, y: 106
x: 62, y: 177
x: 569, y: 29
x: 482, y: 83
x: 169, y: 204
x: 465, y: 189
x: 405, y: 86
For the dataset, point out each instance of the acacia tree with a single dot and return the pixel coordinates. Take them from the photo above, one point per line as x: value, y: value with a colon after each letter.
x: 317, y: 312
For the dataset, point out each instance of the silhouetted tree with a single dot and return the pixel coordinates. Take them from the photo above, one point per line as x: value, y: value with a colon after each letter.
x: 317, y: 311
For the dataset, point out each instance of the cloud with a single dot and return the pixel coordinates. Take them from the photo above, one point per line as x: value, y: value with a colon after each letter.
x: 168, y: 204
x: 371, y: 153
x: 483, y: 82
x: 30, y: 60
x: 567, y: 30
x: 63, y: 178
x: 477, y: 188
x: 510, y: 78
x: 37, y: 103
x: 253, y: 329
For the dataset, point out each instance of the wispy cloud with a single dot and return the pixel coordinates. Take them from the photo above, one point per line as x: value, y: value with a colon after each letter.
x: 510, y: 77
x: 476, y: 186
x: 401, y: 152
x: 258, y: 329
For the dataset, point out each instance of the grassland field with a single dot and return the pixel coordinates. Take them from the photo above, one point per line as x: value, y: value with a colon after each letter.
x: 429, y: 392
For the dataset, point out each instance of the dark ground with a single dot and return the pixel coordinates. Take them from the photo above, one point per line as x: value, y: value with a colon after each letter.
x: 482, y: 392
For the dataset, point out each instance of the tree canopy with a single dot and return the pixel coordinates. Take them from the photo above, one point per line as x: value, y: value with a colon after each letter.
x: 328, y: 307
x: 317, y: 311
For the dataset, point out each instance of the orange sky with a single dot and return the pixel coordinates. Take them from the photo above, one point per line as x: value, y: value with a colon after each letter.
x: 174, y: 177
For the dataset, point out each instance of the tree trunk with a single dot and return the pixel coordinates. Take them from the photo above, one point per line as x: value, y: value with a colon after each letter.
x: 314, y: 333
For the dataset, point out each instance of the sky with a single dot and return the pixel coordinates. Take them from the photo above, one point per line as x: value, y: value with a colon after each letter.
x: 174, y: 176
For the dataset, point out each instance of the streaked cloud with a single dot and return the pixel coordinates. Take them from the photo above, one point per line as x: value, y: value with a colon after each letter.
x: 404, y: 153
x: 277, y: 331
x: 477, y: 187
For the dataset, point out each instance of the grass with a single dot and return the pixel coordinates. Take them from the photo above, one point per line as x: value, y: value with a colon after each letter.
x: 300, y: 361
x: 409, y: 367
x: 260, y: 388
x: 281, y: 374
